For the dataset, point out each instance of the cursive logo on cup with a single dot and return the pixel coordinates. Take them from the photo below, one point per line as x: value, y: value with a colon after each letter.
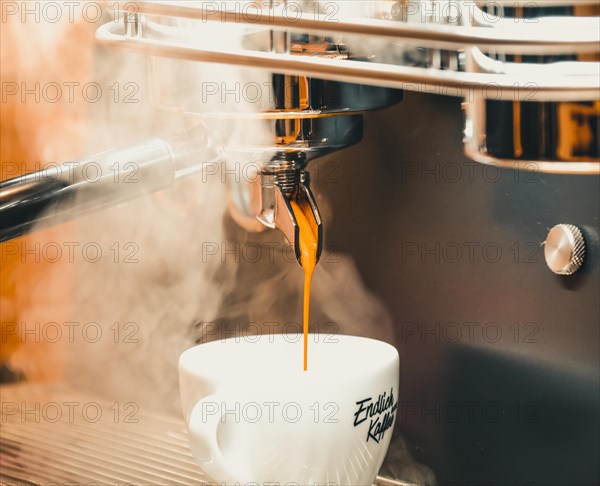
x: 380, y: 413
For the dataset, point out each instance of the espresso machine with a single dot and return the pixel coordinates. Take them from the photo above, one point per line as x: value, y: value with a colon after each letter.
x: 480, y: 125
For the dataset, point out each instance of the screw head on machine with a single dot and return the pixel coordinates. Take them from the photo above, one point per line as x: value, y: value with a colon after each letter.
x: 564, y: 249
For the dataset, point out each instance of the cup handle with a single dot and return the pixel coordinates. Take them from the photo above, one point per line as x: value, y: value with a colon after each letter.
x: 203, y: 427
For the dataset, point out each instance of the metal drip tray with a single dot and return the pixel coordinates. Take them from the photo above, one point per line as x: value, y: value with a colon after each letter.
x: 51, y: 434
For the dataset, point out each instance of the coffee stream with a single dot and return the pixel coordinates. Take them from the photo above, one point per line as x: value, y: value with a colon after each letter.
x: 308, y: 258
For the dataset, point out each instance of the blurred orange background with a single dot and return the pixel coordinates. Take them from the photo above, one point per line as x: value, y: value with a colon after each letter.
x: 34, y: 132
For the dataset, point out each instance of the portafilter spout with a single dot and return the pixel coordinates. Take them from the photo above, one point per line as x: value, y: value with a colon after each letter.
x: 280, y: 181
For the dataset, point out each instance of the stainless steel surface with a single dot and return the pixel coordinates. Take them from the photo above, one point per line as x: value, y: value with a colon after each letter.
x: 62, y: 192
x: 51, y: 434
x: 520, y: 115
x: 564, y: 249
x: 266, y: 196
x: 424, y: 35
x: 451, y: 83
x: 534, y: 166
x: 60, y: 442
x: 555, y: 136
x: 304, y: 118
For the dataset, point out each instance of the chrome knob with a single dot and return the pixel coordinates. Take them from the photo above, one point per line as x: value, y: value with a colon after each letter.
x: 564, y: 249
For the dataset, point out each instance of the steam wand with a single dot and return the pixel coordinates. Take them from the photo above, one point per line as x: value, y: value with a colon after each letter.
x: 64, y: 192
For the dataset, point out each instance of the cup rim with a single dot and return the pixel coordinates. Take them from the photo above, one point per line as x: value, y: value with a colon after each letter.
x: 188, y: 358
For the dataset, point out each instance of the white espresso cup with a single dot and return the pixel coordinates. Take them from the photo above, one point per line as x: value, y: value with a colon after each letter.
x: 255, y: 416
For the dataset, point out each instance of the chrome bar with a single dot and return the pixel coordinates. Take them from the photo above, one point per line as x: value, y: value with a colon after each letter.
x: 523, y: 87
x: 535, y: 166
x: 523, y: 41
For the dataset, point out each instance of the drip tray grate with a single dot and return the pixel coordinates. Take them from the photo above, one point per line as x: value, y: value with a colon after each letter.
x: 51, y: 434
